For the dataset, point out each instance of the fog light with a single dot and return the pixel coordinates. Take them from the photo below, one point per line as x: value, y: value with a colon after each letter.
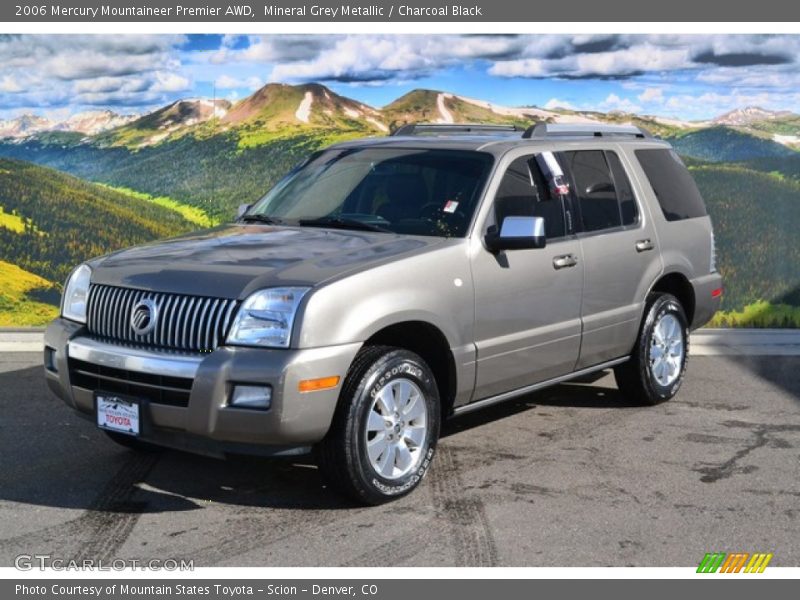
x: 50, y: 359
x: 252, y: 396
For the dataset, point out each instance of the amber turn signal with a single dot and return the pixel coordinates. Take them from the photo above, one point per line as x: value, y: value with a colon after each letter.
x: 315, y: 385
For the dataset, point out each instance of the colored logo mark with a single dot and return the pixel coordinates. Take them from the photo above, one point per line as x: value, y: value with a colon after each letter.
x: 735, y: 562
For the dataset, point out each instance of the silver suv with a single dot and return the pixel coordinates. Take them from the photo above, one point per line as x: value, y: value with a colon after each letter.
x: 385, y: 284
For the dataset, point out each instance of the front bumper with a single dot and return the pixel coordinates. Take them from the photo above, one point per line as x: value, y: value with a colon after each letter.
x: 201, y: 420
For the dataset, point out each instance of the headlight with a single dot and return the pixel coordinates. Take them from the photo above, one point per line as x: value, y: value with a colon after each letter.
x: 76, y: 293
x: 266, y: 317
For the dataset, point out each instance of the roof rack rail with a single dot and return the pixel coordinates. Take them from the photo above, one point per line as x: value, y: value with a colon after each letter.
x: 550, y: 130
x: 445, y: 128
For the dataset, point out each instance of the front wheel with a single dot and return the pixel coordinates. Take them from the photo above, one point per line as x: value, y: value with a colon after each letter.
x: 386, y: 426
x: 655, y: 372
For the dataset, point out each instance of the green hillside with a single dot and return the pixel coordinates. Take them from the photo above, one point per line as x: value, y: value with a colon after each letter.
x: 25, y: 298
x: 756, y: 219
x: 67, y: 220
x: 420, y: 106
x: 723, y: 144
x: 215, y: 174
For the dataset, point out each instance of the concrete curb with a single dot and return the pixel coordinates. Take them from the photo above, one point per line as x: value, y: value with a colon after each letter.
x: 745, y: 342
x: 704, y: 342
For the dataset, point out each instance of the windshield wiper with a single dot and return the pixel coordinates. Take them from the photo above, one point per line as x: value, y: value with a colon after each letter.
x: 259, y: 218
x: 343, y: 223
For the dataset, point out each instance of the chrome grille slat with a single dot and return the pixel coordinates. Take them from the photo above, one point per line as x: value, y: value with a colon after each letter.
x: 208, y: 334
x: 92, y: 304
x: 185, y: 323
x: 111, y: 317
x: 125, y: 313
x: 217, y: 322
x: 193, y: 324
x: 227, y: 321
x: 176, y: 323
x: 104, y: 314
x: 165, y: 314
x: 96, y: 299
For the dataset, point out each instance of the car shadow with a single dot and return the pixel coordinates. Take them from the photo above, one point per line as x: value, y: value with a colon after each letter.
x: 580, y: 393
x: 50, y: 456
x: 780, y: 371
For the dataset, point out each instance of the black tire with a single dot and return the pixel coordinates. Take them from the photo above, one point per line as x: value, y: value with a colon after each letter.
x: 635, y: 378
x: 131, y: 442
x: 342, y: 455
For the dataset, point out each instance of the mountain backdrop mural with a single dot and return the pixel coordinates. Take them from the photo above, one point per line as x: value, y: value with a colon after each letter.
x: 80, y: 183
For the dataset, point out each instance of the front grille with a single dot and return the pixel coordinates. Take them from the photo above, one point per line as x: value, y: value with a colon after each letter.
x: 186, y: 323
x: 159, y: 389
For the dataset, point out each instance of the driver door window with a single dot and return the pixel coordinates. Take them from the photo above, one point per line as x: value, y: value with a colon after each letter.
x: 524, y: 192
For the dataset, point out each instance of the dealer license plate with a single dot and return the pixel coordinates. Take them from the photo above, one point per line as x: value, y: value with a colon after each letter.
x: 117, y: 414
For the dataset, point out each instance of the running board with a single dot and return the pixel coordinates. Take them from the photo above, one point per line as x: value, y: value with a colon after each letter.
x: 536, y: 386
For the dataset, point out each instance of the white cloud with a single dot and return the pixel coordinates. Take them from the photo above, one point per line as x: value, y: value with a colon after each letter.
x: 170, y: 82
x: 610, y: 64
x: 526, y: 67
x: 9, y: 85
x: 52, y: 72
x: 270, y: 48
x: 616, y: 103
x: 226, y: 82
x: 555, y: 103
x: 717, y: 103
x: 376, y: 58
x: 652, y: 95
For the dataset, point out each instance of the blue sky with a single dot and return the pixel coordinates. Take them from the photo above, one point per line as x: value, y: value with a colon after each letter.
x: 686, y: 77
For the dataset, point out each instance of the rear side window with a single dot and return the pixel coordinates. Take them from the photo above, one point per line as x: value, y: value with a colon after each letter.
x: 524, y: 192
x: 627, y: 201
x: 602, y: 189
x: 674, y: 187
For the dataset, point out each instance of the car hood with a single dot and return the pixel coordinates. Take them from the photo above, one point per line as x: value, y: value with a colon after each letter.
x: 233, y: 260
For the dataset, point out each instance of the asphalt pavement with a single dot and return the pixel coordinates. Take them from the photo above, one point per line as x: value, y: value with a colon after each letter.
x: 570, y: 476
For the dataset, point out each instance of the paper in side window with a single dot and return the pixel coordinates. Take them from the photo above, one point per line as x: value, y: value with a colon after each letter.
x: 553, y: 172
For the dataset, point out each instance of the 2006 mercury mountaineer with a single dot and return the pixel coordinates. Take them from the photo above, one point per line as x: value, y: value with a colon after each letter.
x: 385, y: 284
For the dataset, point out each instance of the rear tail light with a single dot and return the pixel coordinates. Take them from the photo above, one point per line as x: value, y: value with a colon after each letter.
x: 716, y: 293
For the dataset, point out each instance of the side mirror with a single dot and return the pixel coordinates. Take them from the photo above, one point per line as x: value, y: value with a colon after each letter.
x: 243, y: 208
x: 517, y: 233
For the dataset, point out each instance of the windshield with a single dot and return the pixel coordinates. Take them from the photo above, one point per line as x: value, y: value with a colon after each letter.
x: 410, y: 191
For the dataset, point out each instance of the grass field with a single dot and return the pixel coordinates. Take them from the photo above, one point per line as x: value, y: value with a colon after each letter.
x: 12, y: 222
x: 192, y: 214
x: 19, y: 298
x: 759, y: 315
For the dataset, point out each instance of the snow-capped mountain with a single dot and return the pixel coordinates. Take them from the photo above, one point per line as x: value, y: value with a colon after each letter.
x: 93, y: 122
x: 24, y: 125
x: 748, y: 115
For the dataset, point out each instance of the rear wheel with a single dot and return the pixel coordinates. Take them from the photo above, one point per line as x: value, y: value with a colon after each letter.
x: 385, y: 429
x: 655, y: 372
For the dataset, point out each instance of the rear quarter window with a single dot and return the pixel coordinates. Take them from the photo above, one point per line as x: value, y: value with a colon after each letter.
x: 672, y: 183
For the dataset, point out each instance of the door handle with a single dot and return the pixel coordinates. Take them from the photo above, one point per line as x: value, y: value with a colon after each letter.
x: 644, y: 245
x: 564, y: 261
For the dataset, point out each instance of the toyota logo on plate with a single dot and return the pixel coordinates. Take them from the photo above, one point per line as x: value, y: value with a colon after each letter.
x: 144, y: 317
